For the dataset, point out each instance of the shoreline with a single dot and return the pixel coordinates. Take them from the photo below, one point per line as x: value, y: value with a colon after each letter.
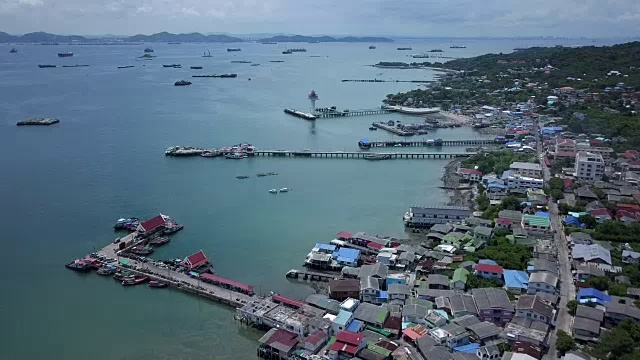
x: 452, y: 180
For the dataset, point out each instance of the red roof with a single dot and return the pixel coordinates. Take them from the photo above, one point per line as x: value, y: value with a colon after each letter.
x: 284, y: 337
x: 503, y: 221
x: 469, y: 171
x: 546, y: 161
x: 565, y: 154
x: 220, y: 280
x: 287, y: 301
x: 596, y: 142
x: 153, y: 223
x: 340, y: 346
x: 415, y: 333
x: 495, y: 269
x: 629, y: 207
x: 344, y: 235
x: 623, y: 213
x: 567, y: 182
x: 375, y: 245
x: 315, y: 337
x: 349, y: 337
x: 600, y: 212
x: 195, y: 260
x: 630, y: 154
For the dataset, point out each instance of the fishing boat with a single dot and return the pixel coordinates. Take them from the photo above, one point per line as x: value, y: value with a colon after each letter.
x: 372, y: 47
x: 272, y: 173
x: 373, y: 128
x: 148, y: 50
x: 182, y: 83
x: 157, y: 284
x: 242, y: 177
x: 216, y: 76
x: 207, y: 54
x: 240, y: 62
x: 46, y: 66
x: 107, y: 270
x: 13, y: 50
x: 273, y: 191
x: 172, y: 228
x: 235, y: 156
x: 210, y: 154
x: 435, y: 50
x: 420, y: 56
x: 177, y: 66
x: 287, y: 51
x: 195, y: 67
x: 134, y: 281
x: 404, y: 48
x: 125, y: 67
x: 284, y: 190
x: 255, y: 64
x: 457, y: 47
x: 121, y: 275
x: 144, y: 251
x: 377, y: 157
x: 268, y: 43
x: 65, y: 54
x: 261, y: 175
x: 233, y: 49
x: 127, y: 223
x: 298, y: 49
x: 159, y: 241
x: 147, y: 57
x: 79, y: 265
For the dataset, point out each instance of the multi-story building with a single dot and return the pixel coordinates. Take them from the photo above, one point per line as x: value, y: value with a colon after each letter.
x: 589, y: 167
x: 526, y: 169
x: 524, y: 182
x: 425, y: 216
x: 565, y: 145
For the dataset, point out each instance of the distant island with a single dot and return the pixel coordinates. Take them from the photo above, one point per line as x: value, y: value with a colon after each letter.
x: 46, y: 38
x: 402, y: 65
x: 301, y: 38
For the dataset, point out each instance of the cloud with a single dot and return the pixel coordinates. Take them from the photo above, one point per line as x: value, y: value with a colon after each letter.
x: 375, y: 17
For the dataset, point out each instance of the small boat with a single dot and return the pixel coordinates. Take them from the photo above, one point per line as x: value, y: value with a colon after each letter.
x: 174, y: 43
x: 210, y: 154
x: 420, y: 56
x: 182, y: 83
x: 272, y: 173
x: 74, y: 66
x: 159, y: 241
x: 144, y: 251
x: 242, y: 177
x: 127, y: 224
x: 177, y: 66
x: 255, y: 64
x: 372, y: 47
x: 373, y: 128
x: 147, y: 56
x: 235, y: 156
x: 121, y: 275
x: 46, y: 66
x: 261, y: 175
x: 377, y: 157
x: 284, y: 190
x: 107, y: 270
x: 404, y: 48
x: 273, y: 191
x: 276, y: 61
x: 157, y: 284
x: 65, y: 54
x: 172, y: 229
x: 216, y: 76
x: 287, y: 51
x: 148, y: 50
x: 196, y: 67
x: 125, y: 67
x: 134, y: 281
x: 436, y: 50
x: 240, y: 62
x: 233, y: 49
x: 268, y: 43
x: 13, y: 50
x: 207, y: 54
x: 299, y: 49
x: 457, y: 47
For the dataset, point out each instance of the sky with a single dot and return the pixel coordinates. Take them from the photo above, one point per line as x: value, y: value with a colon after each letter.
x: 428, y: 18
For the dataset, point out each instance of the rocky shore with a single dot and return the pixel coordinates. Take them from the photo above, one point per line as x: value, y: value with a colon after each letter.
x: 450, y: 180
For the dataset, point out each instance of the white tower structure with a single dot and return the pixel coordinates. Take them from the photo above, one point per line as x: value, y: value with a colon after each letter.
x: 313, y: 97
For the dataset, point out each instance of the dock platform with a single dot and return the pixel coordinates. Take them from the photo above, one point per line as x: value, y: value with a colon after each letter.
x: 432, y: 143
x: 310, y: 275
x: 358, y: 154
x: 360, y: 112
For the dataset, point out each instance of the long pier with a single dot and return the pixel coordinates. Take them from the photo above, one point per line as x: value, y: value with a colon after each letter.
x: 357, y: 154
x: 391, y: 81
x: 361, y: 112
x: 310, y: 275
x: 432, y: 143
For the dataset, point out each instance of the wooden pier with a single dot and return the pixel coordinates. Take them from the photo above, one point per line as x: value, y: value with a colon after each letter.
x: 385, y: 81
x: 432, y: 143
x: 307, y: 275
x: 357, y: 154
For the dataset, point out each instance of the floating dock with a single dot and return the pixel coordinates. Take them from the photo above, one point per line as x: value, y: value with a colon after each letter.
x: 427, y: 143
x: 392, y: 129
x: 300, y: 114
x: 310, y: 275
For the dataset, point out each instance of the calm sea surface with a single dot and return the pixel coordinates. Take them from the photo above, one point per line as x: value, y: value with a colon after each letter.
x: 62, y: 187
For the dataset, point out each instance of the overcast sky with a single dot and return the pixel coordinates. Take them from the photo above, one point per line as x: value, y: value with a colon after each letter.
x: 589, y: 18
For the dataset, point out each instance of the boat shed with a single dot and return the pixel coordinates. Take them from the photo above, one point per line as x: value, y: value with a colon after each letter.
x: 152, y: 225
x: 195, y: 261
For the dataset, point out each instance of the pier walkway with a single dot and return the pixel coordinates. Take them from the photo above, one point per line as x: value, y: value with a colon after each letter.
x: 178, y: 280
x: 357, y: 154
x: 360, y: 112
x: 310, y: 275
x: 432, y: 143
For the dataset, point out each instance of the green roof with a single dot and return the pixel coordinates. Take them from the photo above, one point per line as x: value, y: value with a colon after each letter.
x: 378, y: 349
x: 460, y: 274
x: 533, y: 220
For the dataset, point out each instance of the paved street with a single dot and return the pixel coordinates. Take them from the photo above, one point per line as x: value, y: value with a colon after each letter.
x: 567, y: 289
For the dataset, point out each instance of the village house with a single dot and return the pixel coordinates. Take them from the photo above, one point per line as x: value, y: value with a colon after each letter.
x: 591, y: 253
x: 503, y: 223
x: 630, y: 257
x: 341, y: 289
x: 493, y: 305
x: 489, y: 271
x: 535, y: 223
x: 471, y: 175
x: 542, y: 282
x: 526, y: 169
x: 532, y: 306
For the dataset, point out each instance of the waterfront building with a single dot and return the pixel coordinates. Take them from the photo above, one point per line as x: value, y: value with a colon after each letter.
x: 526, y: 169
x: 341, y: 321
x: 425, y: 216
x: 589, y: 167
x: 523, y: 182
x: 342, y: 289
x: 277, y: 344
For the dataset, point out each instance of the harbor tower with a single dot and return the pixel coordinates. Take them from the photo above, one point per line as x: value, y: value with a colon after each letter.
x: 313, y: 97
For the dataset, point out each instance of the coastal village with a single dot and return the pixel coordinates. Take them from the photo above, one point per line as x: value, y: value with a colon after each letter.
x: 537, y: 259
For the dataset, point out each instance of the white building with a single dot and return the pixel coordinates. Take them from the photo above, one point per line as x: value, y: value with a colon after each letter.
x: 524, y: 182
x: 589, y: 167
x: 526, y: 169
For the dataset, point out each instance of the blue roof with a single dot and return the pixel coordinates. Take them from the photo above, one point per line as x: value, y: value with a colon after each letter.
x: 487, y: 262
x: 595, y: 294
x: 500, y: 137
x: 326, y: 247
x: 383, y: 295
x: 469, y: 348
x: 347, y: 260
x: 542, y: 213
x: 343, y: 318
x: 355, y: 326
x: 515, y: 279
x: 344, y: 252
x: 364, y: 141
x: 571, y: 220
x: 496, y: 185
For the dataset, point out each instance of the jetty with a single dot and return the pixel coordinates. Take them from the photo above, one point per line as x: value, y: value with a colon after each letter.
x: 300, y: 114
x: 310, y: 275
x: 393, y: 129
x: 38, y: 121
x: 432, y: 143
x: 387, y: 81
x: 361, y: 112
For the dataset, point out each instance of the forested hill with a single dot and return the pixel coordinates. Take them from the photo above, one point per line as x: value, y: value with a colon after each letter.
x: 589, y: 63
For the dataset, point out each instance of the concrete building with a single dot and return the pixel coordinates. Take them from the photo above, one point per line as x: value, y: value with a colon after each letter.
x: 542, y: 282
x: 493, y: 305
x: 524, y: 182
x: 526, y: 169
x: 532, y: 307
x: 589, y: 167
x: 425, y: 216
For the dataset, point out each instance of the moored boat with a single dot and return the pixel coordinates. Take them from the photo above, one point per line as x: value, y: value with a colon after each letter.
x: 172, y: 228
x: 283, y: 190
x: 210, y: 153
x: 147, y: 250
x: 107, y: 270
x: 127, y: 224
x: 235, y: 156
x: 65, y: 54
x: 373, y: 128
x: 79, y: 265
x: 364, y: 144
x: 273, y: 191
x: 182, y: 83
x: 159, y: 241
x: 134, y: 281
x: 157, y: 284
x: 13, y: 50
